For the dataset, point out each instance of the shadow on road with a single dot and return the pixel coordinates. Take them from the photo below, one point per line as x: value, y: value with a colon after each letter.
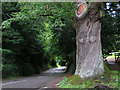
x: 112, y: 64
x: 48, y: 78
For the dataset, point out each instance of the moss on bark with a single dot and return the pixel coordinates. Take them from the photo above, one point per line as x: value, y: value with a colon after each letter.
x: 107, y: 72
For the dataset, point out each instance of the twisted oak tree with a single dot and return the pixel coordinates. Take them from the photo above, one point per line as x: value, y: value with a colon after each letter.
x: 89, y: 61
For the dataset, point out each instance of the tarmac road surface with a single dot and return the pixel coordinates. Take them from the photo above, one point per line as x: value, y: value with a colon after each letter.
x: 38, y: 81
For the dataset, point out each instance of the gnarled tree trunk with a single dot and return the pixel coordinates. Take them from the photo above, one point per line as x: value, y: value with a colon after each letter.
x: 89, y: 61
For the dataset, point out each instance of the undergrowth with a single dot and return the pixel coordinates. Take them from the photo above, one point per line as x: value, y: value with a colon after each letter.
x: 76, y: 82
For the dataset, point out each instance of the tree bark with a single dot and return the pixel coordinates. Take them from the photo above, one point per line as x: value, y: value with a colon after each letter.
x: 89, y: 61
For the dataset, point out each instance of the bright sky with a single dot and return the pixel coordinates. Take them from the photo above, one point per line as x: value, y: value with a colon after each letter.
x: 112, y: 9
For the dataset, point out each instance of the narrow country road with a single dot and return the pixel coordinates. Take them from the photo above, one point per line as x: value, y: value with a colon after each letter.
x: 44, y: 80
x: 112, y: 64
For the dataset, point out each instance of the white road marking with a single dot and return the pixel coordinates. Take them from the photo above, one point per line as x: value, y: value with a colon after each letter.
x: 14, y: 82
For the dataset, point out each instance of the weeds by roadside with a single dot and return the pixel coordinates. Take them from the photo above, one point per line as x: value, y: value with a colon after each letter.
x: 102, y: 82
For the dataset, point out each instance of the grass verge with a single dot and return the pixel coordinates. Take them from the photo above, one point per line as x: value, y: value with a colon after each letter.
x: 76, y: 82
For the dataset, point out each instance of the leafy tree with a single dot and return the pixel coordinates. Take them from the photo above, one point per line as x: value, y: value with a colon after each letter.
x: 37, y: 35
x: 110, y: 32
x: 32, y: 35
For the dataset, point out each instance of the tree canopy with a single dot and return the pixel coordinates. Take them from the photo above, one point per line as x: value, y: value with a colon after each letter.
x: 37, y: 35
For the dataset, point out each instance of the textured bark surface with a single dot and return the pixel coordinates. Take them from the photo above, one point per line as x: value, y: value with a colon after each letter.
x: 89, y: 61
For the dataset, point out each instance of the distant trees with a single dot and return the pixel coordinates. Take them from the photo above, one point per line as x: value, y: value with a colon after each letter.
x: 110, y: 34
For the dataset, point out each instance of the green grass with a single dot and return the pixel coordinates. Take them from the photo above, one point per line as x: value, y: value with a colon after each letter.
x: 77, y: 82
x: 111, y: 56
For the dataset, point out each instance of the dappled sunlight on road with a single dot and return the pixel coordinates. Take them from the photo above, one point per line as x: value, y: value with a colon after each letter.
x: 48, y: 78
x: 57, y: 70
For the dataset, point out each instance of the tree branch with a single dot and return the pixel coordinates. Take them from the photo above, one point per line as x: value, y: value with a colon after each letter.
x: 82, y: 9
x: 46, y: 15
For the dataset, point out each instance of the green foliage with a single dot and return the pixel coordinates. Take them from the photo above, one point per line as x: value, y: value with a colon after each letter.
x: 1, y: 66
x: 27, y: 69
x: 33, y: 34
x: 107, y: 72
x: 109, y: 79
x: 64, y: 84
x: 37, y: 35
x: 5, y: 51
x: 8, y: 8
x: 77, y: 82
x: 112, y: 82
x: 110, y: 34
x: 9, y: 70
